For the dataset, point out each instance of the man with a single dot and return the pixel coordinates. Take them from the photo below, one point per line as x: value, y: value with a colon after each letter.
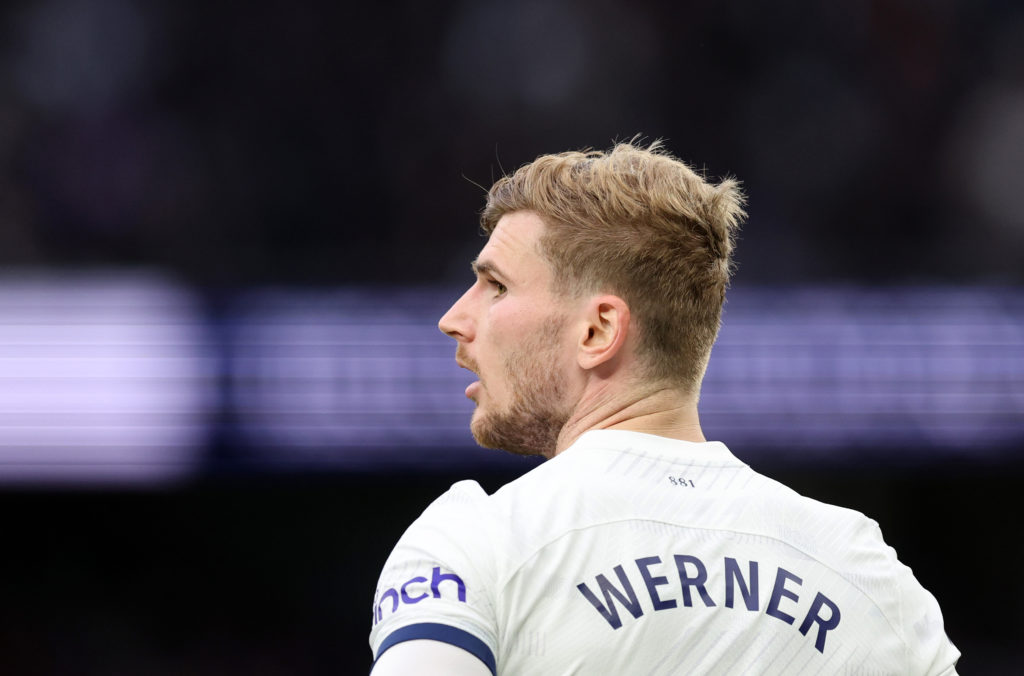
x: 638, y: 547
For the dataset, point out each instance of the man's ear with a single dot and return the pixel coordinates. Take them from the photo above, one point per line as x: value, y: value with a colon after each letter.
x: 605, y: 329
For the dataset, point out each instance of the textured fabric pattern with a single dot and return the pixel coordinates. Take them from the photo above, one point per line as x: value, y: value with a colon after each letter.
x: 634, y: 554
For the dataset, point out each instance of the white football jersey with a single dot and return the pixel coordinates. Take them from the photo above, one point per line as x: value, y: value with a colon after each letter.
x: 630, y: 553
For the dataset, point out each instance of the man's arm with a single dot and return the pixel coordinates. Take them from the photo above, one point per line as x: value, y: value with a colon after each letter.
x: 424, y: 657
x: 433, y: 611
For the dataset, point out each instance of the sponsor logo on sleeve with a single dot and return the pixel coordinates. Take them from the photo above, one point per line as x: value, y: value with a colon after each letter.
x: 416, y: 589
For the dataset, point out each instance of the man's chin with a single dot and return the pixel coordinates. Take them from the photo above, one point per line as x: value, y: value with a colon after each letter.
x: 481, y: 431
x: 506, y: 435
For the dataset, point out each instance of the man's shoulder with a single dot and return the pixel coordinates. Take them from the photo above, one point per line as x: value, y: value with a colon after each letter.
x: 464, y: 504
x: 468, y: 519
x: 824, y: 530
x: 539, y: 495
x: 465, y: 494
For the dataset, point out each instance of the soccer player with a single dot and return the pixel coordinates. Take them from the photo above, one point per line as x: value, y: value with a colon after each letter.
x: 638, y: 547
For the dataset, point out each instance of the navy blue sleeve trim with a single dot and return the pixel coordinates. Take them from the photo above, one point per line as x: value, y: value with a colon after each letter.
x: 442, y: 632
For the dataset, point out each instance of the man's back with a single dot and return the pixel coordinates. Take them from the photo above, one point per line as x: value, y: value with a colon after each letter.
x: 631, y: 553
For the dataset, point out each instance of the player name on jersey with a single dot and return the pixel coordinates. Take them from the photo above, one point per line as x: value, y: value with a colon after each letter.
x: 693, y: 577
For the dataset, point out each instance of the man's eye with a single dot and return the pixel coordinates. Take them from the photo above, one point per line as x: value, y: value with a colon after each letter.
x: 498, y: 285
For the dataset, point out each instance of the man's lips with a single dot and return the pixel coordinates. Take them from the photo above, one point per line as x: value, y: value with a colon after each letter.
x: 464, y: 361
x: 470, y: 365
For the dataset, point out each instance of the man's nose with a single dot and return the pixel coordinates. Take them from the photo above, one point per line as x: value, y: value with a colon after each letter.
x: 457, y: 322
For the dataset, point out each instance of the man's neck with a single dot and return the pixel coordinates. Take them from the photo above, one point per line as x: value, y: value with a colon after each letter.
x: 664, y: 412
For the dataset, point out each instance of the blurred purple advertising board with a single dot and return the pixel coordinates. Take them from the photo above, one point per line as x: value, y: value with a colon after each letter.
x: 103, y: 377
x: 364, y: 377
x: 131, y: 378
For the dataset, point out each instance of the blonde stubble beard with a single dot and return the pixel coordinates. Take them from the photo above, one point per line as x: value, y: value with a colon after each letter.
x: 532, y: 421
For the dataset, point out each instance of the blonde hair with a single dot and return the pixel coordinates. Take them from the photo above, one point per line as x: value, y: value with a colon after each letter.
x: 639, y: 223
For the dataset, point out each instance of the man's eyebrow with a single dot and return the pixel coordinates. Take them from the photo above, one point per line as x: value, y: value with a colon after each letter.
x: 486, y: 268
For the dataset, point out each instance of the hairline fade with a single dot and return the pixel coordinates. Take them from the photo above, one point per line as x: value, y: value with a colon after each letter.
x: 640, y: 223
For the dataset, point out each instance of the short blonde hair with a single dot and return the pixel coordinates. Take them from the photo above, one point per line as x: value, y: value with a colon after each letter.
x: 639, y: 223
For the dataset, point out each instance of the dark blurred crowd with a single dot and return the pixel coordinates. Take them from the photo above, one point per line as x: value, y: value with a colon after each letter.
x: 272, y: 141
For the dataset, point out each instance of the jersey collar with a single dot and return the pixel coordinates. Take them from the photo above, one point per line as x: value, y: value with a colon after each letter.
x: 652, y: 445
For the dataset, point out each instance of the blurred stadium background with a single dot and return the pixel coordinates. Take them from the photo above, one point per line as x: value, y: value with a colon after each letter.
x: 227, y: 232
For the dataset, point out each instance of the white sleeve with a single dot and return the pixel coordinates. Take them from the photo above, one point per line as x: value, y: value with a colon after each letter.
x: 428, y: 658
x: 931, y: 651
x: 437, y: 584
